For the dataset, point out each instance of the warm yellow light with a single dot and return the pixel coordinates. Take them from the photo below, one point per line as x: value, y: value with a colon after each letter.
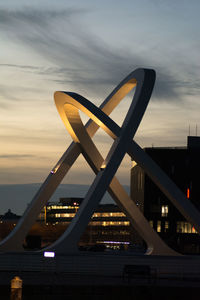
x: 103, y: 166
x: 134, y: 164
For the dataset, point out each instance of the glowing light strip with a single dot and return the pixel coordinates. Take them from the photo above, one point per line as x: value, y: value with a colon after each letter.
x: 114, y: 242
x: 49, y: 254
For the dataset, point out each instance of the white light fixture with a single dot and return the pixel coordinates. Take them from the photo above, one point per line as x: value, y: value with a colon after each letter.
x: 49, y: 254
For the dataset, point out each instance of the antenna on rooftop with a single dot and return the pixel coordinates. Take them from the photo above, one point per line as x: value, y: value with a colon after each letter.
x: 196, y: 129
x: 189, y: 130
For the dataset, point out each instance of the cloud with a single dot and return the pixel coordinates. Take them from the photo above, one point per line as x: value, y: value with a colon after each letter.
x: 16, y: 156
x: 40, y: 18
x: 58, y: 37
x: 23, y: 67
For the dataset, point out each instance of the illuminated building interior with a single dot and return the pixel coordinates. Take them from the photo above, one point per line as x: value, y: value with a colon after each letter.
x: 108, y: 226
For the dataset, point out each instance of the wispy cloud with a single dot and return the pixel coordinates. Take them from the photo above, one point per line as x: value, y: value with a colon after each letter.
x: 16, y: 156
x: 23, y: 67
x: 59, y: 37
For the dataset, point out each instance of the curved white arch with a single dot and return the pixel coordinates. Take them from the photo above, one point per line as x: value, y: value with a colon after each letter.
x: 68, y: 105
x: 144, y: 81
x: 14, y: 241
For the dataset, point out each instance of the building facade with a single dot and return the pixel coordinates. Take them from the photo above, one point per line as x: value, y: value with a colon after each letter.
x: 108, y: 228
x: 182, y: 165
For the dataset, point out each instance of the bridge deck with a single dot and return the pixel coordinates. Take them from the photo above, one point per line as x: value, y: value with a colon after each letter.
x: 100, y: 268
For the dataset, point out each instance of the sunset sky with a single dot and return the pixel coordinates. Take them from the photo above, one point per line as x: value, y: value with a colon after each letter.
x: 88, y: 47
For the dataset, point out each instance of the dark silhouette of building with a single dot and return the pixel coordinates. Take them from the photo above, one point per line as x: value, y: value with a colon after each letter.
x: 9, y: 216
x: 7, y: 223
x: 182, y: 165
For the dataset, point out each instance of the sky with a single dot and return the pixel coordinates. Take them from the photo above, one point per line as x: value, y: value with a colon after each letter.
x: 88, y: 47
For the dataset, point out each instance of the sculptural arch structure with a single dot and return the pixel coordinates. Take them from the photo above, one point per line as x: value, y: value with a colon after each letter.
x: 68, y: 105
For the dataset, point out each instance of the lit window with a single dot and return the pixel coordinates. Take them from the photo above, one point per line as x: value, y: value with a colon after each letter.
x: 108, y: 214
x: 166, y: 228
x: 151, y: 223
x: 158, y: 226
x: 185, y: 227
x: 194, y: 230
x: 61, y: 207
x: 164, y: 210
x: 112, y: 223
x: 65, y: 215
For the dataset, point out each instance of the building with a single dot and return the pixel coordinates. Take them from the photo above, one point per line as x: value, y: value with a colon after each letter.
x: 7, y: 223
x: 108, y: 228
x: 9, y: 216
x: 182, y: 165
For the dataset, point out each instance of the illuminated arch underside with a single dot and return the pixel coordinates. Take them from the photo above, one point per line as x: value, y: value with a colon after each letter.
x: 68, y: 105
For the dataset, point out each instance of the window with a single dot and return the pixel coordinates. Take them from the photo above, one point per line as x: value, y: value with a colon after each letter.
x: 158, y: 226
x: 185, y: 227
x: 61, y: 207
x: 108, y: 223
x: 164, y: 210
x: 108, y: 214
x: 151, y: 223
x: 166, y: 228
x: 63, y: 215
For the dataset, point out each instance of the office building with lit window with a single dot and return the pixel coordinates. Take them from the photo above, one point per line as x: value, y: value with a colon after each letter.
x: 108, y: 228
x: 182, y: 165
